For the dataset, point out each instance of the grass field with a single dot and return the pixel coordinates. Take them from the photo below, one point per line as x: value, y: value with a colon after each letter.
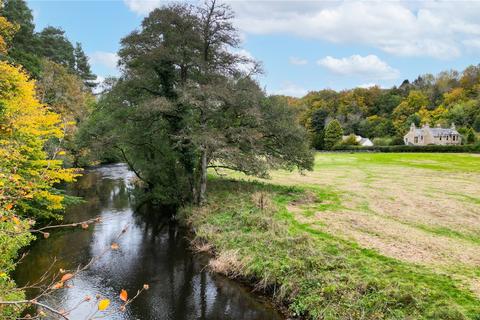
x: 363, y: 236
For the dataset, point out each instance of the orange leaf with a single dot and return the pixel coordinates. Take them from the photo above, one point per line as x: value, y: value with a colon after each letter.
x: 58, y: 285
x: 84, y: 226
x: 123, y: 295
x: 66, y: 277
x: 114, y: 246
x: 16, y: 220
x: 9, y: 206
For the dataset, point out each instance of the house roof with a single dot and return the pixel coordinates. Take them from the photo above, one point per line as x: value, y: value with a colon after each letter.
x: 436, y: 132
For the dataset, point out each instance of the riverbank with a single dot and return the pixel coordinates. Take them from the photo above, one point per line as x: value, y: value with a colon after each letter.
x: 331, y: 253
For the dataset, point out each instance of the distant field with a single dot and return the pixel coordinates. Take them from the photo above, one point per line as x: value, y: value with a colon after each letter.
x: 363, y: 236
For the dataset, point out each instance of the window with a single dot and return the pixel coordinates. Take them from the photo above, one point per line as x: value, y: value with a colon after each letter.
x: 416, y: 139
x: 453, y: 138
x: 447, y: 138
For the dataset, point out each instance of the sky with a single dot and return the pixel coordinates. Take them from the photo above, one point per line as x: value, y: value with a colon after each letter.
x: 303, y: 45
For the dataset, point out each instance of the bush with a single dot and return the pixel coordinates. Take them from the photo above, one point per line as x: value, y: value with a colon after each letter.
x: 433, y: 148
x: 384, y: 141
x: 351, y: 140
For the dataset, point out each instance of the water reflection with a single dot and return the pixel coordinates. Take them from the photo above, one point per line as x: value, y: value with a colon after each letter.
x: 153, y: 250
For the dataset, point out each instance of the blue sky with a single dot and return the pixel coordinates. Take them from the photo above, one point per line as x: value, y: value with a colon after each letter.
x: 303, y: 45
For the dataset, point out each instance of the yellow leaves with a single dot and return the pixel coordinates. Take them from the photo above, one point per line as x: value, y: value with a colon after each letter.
x: 123, y: 295
x: 103, y: 304
x: 26, y: 126
x: 114, y: 246
x: 7, y: 30
x: 16, y: 220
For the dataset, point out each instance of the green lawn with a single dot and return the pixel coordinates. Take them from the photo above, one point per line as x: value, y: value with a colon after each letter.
x: 363, y: 236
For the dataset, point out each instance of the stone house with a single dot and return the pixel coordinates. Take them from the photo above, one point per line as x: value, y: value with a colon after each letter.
x: 426, y: 136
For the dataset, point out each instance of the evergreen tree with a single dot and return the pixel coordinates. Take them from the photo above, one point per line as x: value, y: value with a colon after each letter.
x: 82, y: 67
x: 333, y: 134
x: 25, y: 42
x: 54, y: 46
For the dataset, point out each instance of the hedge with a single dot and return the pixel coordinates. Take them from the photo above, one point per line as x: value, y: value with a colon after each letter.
x: 403, y: 148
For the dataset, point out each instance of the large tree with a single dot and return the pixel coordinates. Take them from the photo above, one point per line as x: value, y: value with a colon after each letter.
x: 183, y: 73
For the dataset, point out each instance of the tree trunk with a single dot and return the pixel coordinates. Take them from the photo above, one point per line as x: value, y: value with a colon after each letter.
x: 203, y: 178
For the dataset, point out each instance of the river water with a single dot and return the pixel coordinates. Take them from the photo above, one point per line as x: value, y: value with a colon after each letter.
x: 154, y: 250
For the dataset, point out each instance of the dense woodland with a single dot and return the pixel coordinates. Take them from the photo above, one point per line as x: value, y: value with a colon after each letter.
x: 186, y: 102
x: 384, y: 115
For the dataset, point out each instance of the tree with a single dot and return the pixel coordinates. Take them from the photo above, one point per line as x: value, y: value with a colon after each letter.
x: 25, y: 43
x: 184, y: 83
x: 65, y: 94
x: 54, y: 46
x: 7, y: 30
x: 333, y: 134
x: 27, y: 176
x: 469, y: 136
x: 476, y: 123
x: 410, y: 105
x: 82, y: 67
x: 317, y: 127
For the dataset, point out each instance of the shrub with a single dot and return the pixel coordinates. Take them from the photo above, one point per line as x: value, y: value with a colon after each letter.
x: 351, y: 140
x: 395, y: 148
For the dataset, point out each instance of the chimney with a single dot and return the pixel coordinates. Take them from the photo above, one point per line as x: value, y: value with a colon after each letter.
x: 412, y: 127
x: 453, y: 126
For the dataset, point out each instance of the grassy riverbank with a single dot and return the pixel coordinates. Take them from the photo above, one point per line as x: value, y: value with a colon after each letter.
x: 363, y: 236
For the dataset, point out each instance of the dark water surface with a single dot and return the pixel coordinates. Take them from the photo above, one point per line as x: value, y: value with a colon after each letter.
x: 153, y: 251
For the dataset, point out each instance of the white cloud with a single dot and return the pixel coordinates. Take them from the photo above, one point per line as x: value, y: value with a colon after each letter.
x: 291, y: 89
x: 405, y: 28
x: 142, y: 6
x: 298, y: 61
x: 105, y: 59
x: 368, y: 85
x: 369, y: 67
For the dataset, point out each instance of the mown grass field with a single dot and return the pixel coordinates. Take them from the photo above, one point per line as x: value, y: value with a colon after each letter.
x: 363, y: 236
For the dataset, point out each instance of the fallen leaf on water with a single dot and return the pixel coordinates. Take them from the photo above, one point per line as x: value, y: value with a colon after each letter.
x: 103, y: 304
x: 84, y: 226
x: 114, y: 246
x: 46, y: 235
x: 146, y: 286
x: 123, y: 295
x: 57, y: 285
x: 66, y: 277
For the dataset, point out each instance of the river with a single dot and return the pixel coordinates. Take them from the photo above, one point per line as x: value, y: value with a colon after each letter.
x: 154, y: 251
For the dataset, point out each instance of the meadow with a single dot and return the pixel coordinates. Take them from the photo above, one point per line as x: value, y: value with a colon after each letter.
x: 362, y: 236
